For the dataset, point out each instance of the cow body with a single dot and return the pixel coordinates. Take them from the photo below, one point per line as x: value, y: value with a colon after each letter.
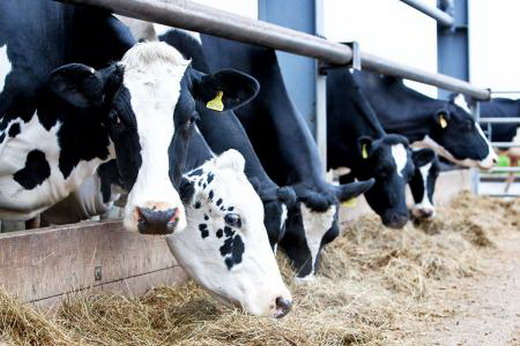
x: 504, y: 108
x: 356, y: 140
x: 81, y: 92
x: 441, y: 125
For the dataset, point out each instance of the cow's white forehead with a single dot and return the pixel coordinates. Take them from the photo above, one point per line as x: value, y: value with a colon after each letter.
x: 400, y: 157
x: 316, y: 225
x: 461, y: 102
x: 146, y: 53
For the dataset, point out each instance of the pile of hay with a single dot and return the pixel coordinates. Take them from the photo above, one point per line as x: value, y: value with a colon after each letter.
x: 371, y: 280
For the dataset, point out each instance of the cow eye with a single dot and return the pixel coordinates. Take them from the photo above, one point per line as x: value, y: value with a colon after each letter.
x: 193, y: 118
x: 114, y: 117
x: 233, y: 220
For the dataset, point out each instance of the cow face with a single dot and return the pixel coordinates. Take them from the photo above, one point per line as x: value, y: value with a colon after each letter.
x: 388, y: 160
x: 225, y: 247
x: 146, y: 100
x: 456, y: 136
x: 312, y: 223
x: 422, y: 183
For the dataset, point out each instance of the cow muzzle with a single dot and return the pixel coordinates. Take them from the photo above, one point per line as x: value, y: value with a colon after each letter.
x: 154, y: 221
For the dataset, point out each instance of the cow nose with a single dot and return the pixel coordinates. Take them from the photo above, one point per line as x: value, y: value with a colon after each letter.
x: 396, y: 221
x: 426, y: 213
x: 283, y: 306
x: 152, y: 221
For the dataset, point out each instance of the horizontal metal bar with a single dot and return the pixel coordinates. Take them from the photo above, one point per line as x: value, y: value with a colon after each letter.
x: 509, y: 120
x: 505, y: 169
x: 185, y: 14
x: 505, y: 92
x: 440, y: 16
x: 504, y: 195
x: 505, y: 144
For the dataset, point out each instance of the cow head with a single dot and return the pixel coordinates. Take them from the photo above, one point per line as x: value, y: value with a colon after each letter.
x: 388, y: 160
x: 225, y: 246
x: 422, y: 183
x: 144, y: 101
x: 312, y: 223
x: 456, y: 136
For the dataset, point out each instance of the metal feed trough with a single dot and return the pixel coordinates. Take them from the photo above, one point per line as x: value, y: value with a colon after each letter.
x: 42, y: 265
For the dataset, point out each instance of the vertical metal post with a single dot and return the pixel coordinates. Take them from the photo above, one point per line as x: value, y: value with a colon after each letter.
x: 452, y: 42
x: 475, y: 172
x: 305, y: 86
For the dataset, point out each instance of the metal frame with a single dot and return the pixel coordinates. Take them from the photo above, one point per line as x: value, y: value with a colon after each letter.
x: 185, y: 14
x: 440, y: 16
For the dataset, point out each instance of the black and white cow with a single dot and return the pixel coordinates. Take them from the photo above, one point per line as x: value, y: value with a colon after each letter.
x: 224, y: 246
x: 356, y: 140
x: 287, y: 150
x: 107, y: 98
x: 503, y: 108
x: 443, y: 126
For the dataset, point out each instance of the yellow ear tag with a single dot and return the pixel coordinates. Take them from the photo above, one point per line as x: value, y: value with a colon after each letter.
x: 351, y: 203
x: 443, y: 121
x: 364, y: 152
x: 216, y: 104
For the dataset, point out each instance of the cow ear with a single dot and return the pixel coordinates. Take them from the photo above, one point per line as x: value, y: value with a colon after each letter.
x: 365, y: 146
x: 286, y: 194
x: 352, y: 190
x: 422, y: 157
x: 442, y: 118
x: 231, y: 159
x: 225, y: 90
x: 78, y: 84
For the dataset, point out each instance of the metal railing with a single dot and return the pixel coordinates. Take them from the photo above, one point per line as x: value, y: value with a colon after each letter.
x: 440, y: 16
x: 188, y: 15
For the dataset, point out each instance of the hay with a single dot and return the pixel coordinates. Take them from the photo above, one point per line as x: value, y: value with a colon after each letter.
x: 371, y: 280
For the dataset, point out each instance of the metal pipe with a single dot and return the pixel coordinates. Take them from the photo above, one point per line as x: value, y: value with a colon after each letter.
x: 505, y: 144
x: 440, y: 16
x: 505, y: 169
x: 510, y: 120
x: 185, y: 14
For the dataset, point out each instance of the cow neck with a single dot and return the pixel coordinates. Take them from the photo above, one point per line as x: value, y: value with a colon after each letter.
x: 399, y: 109
x: 349, y: 116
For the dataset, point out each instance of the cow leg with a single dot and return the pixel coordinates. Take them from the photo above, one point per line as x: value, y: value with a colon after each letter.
x: 33, y: 223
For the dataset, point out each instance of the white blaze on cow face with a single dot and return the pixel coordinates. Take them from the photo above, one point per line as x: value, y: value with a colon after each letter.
x: 225, y: 246
x: 5, y: 66
x: 315, y: 224
x: 425, y: 207
x: 152, y: 75
x: 400, y: 156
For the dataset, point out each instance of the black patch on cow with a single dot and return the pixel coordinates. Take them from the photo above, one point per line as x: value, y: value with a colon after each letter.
x: 228, y: 231
x: 197, y: 172
x: 210, y: 177
x: 204, y: 186
x: 197, y: 205
x: 109, y: 175
x: 34, y: 173
x: 219, y: 201
x: 206, y: 217
x: 231, y: 208
x: 204, y: 232
x: 233, y: 249
x: 2, y: 137
x: 210, y: 195
x: 220, y: 233
x: 14, y: 130
x: 199, y: 183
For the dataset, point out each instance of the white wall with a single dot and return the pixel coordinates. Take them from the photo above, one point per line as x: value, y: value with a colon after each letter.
x: 388, y: 28
x: 494, y: 47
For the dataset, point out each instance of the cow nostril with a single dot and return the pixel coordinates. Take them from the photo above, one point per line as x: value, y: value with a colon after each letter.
x: 283, y: 306
x: 153, y: 221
